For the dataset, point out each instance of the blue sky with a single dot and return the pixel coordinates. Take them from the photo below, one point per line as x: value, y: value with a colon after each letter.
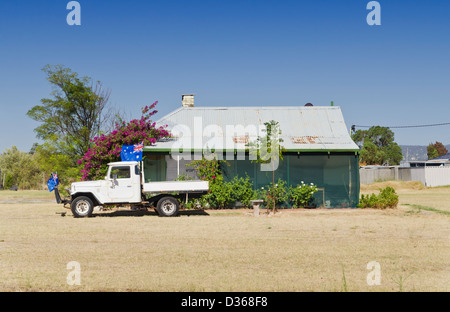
x: 235, y: 53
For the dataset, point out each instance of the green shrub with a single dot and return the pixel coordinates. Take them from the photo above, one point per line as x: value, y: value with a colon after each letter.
x: 279, y: 191
x: 302, y: 195
x: 192, y: 203
x: 219, y: 194
x: 241, y: 190
x: 208, y: 169
x: 387, y: 198
x: 368, y: 201
x: 183, y: 177
x: 225, y: 194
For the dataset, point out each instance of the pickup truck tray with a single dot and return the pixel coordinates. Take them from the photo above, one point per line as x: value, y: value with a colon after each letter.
x: 176, y: 186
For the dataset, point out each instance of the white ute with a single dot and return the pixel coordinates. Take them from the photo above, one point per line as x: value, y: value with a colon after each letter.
x: 124, y: 185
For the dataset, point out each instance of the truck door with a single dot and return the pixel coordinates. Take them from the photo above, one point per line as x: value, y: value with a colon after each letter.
x: 124, y: 184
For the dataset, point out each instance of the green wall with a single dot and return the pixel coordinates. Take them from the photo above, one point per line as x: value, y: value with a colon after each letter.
x: 335, y: 173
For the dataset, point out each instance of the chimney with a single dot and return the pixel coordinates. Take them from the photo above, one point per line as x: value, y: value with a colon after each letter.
x: 187, y: 100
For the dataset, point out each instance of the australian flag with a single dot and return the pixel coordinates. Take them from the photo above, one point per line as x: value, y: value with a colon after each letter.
x: 132, y: 152
x: 53, y: 182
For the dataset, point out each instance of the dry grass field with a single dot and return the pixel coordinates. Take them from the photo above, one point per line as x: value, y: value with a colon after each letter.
x: 228, y: 250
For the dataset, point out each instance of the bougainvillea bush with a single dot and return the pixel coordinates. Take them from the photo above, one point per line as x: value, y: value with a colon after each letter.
x: 107, y: 147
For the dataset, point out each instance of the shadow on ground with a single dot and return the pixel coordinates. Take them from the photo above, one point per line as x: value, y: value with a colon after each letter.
x: 141, y: 213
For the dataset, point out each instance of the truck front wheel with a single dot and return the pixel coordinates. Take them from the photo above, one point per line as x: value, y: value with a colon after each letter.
x: 82, y: 206
x: 168, y: 207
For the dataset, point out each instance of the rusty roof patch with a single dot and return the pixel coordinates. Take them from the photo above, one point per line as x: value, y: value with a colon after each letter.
x: 241, y: 139
x: 307, y: 139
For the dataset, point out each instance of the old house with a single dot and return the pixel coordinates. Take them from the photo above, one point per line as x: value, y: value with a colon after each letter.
x: 317, y: 147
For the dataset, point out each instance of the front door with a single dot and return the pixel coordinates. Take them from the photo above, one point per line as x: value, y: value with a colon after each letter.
x: 124, y: 184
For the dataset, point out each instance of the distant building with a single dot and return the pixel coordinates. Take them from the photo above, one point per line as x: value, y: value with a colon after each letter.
x: 435, y: 162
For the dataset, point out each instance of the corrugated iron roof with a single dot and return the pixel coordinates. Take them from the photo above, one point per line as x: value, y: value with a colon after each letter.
x: 316, y: 128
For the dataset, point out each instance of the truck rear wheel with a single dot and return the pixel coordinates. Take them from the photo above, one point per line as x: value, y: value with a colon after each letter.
x: 167, y: 207
x: 82, y: 206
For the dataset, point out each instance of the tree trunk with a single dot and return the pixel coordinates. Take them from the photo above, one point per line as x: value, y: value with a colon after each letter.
x: 273, y: 184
